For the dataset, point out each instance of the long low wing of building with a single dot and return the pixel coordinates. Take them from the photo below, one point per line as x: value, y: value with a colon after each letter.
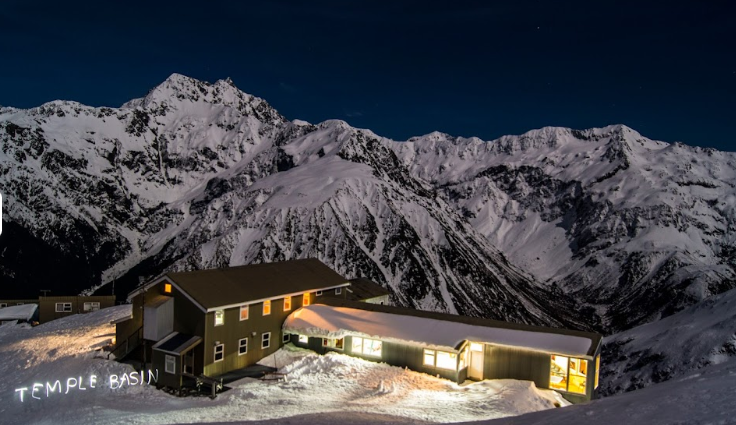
x: 451, y: 346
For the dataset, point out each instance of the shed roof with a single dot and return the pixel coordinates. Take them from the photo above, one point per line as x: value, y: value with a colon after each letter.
x: 18, y: 312
x: 365, y: 289
x: 437, y: 330
x: 215, y: 288
x: 177, y: 343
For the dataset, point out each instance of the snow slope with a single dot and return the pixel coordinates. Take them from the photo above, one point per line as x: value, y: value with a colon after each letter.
x: 315, y: 385
x: 671, y: 348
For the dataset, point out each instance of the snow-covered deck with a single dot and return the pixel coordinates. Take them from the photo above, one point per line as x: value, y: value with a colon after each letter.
x: 336, y: 322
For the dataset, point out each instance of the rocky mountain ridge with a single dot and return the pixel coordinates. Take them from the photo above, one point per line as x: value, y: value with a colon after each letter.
x: 598, y: 228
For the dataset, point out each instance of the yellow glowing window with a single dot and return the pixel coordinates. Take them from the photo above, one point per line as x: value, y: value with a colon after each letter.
x: 597, y: 369
x: 287, y: 303
x: 305, y: 300
x: 267, y: 308
x: 568, y: 374
x: 446, y: 360
x: 167, y: 288
x: 243, y: 312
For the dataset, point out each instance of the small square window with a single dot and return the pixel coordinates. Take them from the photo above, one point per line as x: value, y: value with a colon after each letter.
x: 91, y: 306
x: 267, y: 307
x: 287, y: 303
x: 266, y: 340
x: 243, y: 312
x: 303, y: 339
x: 338, y: 291
x: 286, y: 338
x: 319, y: 293
x: 219, y: 317
x: 170, y: 364
x: 305, y: 300
x: 63, y: 307
x: 167, y: 288
x: 243, y: 346
x: 219, y: 352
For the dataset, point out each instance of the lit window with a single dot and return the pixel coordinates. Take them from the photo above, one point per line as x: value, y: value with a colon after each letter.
x: 305, y: 300
x: 219, y: 317
x: 357, y: 345
x: 303, y: 339
x: 167, y: 288
x: 63, y: 307
x: 429, y: 357
x: 267, y: 308
x: 219, y: 352
x: 372, y: 347
x: 333, y: 343
x: 474, y: 346
x: 597, y: 369
x: 568, y: 374
x: 243, y: 346
x: 338, y: 291
x: 285, y: 338
x: 446, y: 360
x: 243, y: 312
x: 287, y: 303
x: 266, y: 340
x: 170, y: 364
x: 463, y: 358
x: 91, y: 306
x: 319, y: 293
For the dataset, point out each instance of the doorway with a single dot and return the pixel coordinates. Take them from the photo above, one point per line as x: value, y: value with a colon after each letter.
x: 475, y: 369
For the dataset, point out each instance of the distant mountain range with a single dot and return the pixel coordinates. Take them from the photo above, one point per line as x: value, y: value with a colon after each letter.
x: 600, y: 229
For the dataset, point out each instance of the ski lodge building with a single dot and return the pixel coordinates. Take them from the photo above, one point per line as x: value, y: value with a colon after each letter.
x: 204, y: 324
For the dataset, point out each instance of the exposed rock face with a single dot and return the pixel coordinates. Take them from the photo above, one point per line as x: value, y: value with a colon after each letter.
x: 599, y: 228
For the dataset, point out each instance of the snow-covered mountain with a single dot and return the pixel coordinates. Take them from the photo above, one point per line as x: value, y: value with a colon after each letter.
x: 598, y: 228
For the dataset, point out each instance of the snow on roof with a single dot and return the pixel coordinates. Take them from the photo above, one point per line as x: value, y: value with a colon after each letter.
x: 336, y: 322
x: 18, y: 312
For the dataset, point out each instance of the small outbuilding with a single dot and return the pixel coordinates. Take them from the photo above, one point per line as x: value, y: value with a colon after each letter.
x: 19, y: 314
x: 450, y: 346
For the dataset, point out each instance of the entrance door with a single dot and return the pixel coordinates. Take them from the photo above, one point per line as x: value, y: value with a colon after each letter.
x: 475, y: 370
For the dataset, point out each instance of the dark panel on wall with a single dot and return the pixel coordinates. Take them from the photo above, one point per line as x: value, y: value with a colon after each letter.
x: 510, y: 363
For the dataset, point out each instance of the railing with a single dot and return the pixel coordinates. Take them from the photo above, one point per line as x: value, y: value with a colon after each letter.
x: 122, y: 348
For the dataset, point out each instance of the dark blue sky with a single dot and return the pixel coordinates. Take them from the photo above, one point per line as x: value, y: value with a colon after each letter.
x: 482, y: 68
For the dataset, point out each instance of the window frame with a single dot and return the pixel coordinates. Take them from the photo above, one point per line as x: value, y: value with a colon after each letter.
x: 93, y: 306
x: 303, y: 339
x: 306, y: 299
x: 221, y: 314
x: 241, y: 346
x: 267, y: 308
x: 167, y: 359
x: 287, y: 303
x: 64, y: 306
x: 285, y: 338
x: 167, y: 288
x: 318, y: 293
x: 334, y: 343
x: 245, y: 308
x: 427, y: 354
x: 221, y: 353
x: 338, y: 291
x: 265, y: 340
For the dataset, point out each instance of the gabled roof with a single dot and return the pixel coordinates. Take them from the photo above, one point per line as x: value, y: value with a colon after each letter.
x: 232, y: 286
x: 335, y: 318
x: 365, y: 289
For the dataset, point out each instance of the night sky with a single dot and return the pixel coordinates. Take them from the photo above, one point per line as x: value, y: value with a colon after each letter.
x: 484, y: 68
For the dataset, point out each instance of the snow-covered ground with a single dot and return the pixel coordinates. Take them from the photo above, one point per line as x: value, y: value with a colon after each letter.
x: 323, y: 389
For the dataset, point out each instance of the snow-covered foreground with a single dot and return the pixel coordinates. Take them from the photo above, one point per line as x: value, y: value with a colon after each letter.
x: 332, y: 388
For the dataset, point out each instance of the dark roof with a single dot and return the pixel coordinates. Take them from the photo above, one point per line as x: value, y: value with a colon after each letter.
x: 476, y: 321
x: 178, y: 343
x: 365, y: 289
x: 235, y: 285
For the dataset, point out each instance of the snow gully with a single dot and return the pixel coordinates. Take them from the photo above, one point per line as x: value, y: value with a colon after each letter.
x: 114, y: 382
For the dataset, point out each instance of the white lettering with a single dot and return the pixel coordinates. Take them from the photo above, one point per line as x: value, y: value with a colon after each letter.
x: 69, y: 385
x: 50, y: 388
x: 114, y: 382
x: 133, y: 378
x: 21, y: 390
x: 35, y: 388
x: 124, y: 378
x: 150, y: 375
x: 80, y: 384
x: 92, y: 381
